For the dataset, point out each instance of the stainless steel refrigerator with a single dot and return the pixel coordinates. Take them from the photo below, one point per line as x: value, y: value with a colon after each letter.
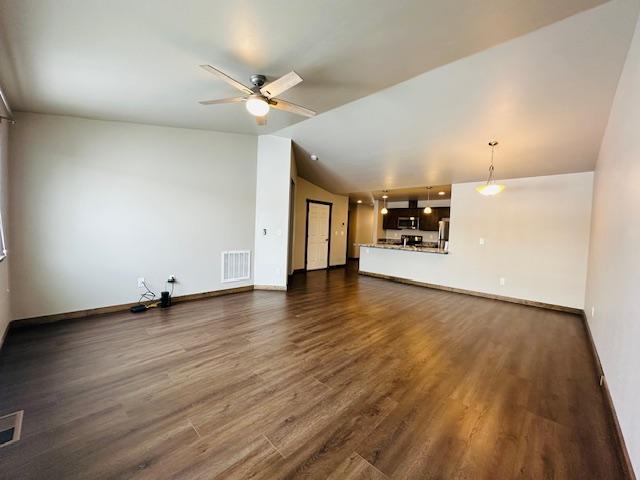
x: 443, y: 234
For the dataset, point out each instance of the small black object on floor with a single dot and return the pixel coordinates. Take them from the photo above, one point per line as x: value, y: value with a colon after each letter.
x: 165, y: 300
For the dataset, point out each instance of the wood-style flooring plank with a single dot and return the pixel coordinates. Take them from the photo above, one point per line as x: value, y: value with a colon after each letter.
x: 342, y: 377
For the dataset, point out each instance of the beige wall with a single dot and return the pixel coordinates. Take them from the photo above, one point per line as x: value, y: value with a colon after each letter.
x: 5, y: 310
x: 536, y: 237
x: 95, y: 205
x: 362, y: 227
x: 614, y: 260
x: 306, y: 190
x: 351, y: 240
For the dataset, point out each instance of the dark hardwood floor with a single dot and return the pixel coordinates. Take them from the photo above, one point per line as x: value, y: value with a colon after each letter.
x: 343, y: 377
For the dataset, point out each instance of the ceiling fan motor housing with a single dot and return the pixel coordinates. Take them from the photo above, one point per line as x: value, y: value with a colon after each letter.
x: 258, y: 80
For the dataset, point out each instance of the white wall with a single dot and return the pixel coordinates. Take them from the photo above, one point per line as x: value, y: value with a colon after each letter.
x: 614, y: 260
x: 306, y: 190
x: 96, y: 204
x: 273, y: 180
x: 5, y: 312
x: 536, y: 236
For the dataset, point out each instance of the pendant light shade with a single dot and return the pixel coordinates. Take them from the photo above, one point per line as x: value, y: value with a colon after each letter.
x: 428, y: 209
x: 491, y: 187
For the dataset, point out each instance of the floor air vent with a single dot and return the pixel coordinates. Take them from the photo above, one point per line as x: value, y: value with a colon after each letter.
x: 10, y: 428
x: 236, y: 265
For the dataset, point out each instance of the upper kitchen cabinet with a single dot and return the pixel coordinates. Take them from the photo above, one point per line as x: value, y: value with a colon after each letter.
x: 424, y: 221
x: 405, y: 208
x: 429, y: 221
x: 390, y: 220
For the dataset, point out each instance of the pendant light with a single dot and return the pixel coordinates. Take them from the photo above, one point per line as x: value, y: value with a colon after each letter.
x: 427, y: 209
x: 384, y: 210
x: 491, y: 187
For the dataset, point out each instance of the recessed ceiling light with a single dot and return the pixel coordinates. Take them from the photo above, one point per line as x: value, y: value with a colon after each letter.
x: 359, y: 201
x: 441, y: 193
x: 314, y: 157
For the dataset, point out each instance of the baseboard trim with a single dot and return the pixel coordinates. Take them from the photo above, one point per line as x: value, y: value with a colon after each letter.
x: 276, y: 288
x: 474, y: 293
x: 42, y: 320
x: 341, y: 265
x: 614, y: 424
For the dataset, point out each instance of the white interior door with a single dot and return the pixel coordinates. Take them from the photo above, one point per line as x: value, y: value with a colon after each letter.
x: 318, y: 236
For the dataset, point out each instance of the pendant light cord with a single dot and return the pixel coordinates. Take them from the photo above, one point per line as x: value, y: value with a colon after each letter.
x: 491, y: 167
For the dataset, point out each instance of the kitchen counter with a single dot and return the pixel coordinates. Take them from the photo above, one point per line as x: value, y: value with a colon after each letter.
x: 409, y: 248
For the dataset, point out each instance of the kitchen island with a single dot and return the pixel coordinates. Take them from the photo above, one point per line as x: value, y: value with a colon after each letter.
x: 409, y: 248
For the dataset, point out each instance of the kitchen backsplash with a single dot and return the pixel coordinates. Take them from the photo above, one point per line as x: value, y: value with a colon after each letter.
x: 426, y: 236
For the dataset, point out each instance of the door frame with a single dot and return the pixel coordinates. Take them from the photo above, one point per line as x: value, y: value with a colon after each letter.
x: 306, y: 231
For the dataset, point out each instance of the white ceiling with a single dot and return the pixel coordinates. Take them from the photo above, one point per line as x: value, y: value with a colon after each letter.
x: 138, y: 60
x: 544, y: 96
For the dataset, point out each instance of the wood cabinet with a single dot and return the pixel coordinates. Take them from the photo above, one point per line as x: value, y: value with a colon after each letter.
x: 428, y: 222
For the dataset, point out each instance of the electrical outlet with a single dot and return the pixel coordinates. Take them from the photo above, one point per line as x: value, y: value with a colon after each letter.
x: 171, y: 279
x: 140, y: 282
x: 482, y: 241
x: 502, y: 281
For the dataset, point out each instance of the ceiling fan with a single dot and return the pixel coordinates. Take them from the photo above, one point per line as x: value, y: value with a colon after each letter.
x: 261, y: 97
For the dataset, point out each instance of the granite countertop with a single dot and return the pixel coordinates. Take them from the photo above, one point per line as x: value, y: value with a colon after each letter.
x: 409, y: 248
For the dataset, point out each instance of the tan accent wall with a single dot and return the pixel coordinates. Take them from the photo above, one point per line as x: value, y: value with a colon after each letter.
x: 306, y: 190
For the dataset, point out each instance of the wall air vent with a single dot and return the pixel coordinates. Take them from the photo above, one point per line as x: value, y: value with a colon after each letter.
x: 10, y: 428
x: 236, y: 265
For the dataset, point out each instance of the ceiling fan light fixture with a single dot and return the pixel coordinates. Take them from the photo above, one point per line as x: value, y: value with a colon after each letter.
x: 257, y: 106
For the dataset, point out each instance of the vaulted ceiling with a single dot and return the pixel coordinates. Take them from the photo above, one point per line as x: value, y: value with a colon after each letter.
x: 138, y: 60
x: 544, y: 96
x: 409, y: 91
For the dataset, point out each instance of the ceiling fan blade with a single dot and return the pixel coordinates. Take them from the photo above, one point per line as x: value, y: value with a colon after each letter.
x: 222, y: 100
x: 291, y: 107
x: 280, y: 85
x: 228, y: 79
x: 261, y: 120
